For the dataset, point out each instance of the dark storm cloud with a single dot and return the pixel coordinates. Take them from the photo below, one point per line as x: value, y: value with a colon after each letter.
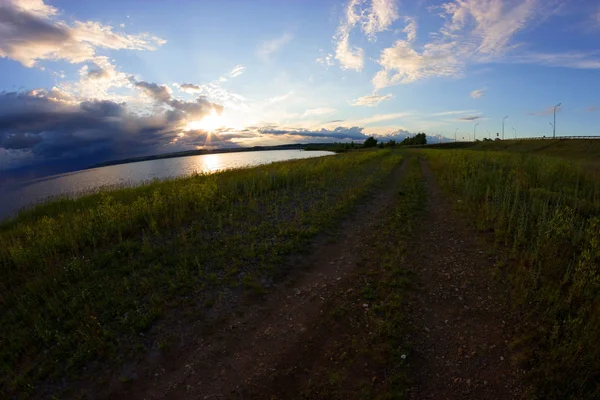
x: 19, y: 141
x: 50, y: 125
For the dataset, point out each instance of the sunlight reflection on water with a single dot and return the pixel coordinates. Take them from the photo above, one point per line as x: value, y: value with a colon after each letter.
x: 17, y: 196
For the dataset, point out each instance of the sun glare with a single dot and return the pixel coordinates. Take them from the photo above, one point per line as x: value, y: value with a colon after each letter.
x: 209, y: 123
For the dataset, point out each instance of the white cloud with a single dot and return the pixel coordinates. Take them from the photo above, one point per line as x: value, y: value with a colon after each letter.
x: 455, y: 112
x: 30, y: 33
x: 474, y: 31
x: 372, y: 19
x: 571, y: 59
x: 402, y: 64
x: 349, y: 58
x: 379, y: 17
x: 370, y: 101
x: 280, y: 98
x: 318, y: 111
x: 237, y: 71
x: 326, y: 60
x: 410, y: 29
x: 267, y: 48
x: 478, y: 93
x: 380, y: 118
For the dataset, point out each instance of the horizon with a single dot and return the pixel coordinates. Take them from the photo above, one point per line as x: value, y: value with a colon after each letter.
x: 85, y: 83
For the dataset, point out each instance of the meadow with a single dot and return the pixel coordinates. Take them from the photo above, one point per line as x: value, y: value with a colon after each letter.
x: 96, y: 280
x: 544, y: 216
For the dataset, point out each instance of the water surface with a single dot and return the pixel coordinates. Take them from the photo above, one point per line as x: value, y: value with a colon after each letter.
x: 17, y: 196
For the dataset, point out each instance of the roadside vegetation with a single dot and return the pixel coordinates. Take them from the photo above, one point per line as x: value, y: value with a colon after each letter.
x: 544, y: 214
x: 92, y: 281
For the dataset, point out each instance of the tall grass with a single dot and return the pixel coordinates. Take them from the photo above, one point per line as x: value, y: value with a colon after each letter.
x: 545, y: 213
x: 82, y: 279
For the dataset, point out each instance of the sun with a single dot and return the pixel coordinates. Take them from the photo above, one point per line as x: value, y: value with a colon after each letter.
x: 209, y: 123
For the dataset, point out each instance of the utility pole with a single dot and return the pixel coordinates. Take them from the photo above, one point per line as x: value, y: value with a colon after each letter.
x: 515, y: 132
x: 554, y: 124
x: 474, y: 130
x: 455, y: 134
x: 503, y: 126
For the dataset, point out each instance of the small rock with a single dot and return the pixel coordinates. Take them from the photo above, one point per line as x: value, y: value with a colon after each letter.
x: 365, y: 305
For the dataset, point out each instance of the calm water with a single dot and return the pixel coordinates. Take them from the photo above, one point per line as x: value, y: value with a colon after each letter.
x: 17, y: 196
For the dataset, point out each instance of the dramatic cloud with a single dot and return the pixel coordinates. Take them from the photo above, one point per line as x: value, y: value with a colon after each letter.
x: 51, y: 125
x: 266, y: 49
x: 477, y: 93
x: 30, y: 33
x: 237, y: 71
x: 370, y: 101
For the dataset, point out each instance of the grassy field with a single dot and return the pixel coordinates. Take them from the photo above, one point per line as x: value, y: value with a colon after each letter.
x: 90, y: 281
x: 544, y: 213
x: 584, y: 151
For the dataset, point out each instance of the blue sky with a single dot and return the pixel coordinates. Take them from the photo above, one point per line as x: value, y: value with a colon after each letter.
x: 83, y: 82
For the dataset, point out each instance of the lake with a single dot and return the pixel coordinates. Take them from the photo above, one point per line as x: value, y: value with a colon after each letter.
x: 17, y: 196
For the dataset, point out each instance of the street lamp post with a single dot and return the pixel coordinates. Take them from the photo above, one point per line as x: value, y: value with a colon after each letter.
x: 455, y: 134
x: 503, y: 126
x: 554, y: 124
x: 474, y: 130
x: 515, y: 132
x: 553, y: 130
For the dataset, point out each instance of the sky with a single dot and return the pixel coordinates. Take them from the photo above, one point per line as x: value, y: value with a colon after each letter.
x: 88, y: 81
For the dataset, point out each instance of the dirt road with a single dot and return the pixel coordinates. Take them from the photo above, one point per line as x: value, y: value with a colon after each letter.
x: 279, y: 348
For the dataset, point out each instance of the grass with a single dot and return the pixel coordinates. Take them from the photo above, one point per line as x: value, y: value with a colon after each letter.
x: 90, y: 282
x: 544, y: 213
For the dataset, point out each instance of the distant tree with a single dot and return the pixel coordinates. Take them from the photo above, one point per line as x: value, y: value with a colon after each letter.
x: 390, y: 143
x: 419, y: 138
x: 370, y: 142
x: 380, y: 145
